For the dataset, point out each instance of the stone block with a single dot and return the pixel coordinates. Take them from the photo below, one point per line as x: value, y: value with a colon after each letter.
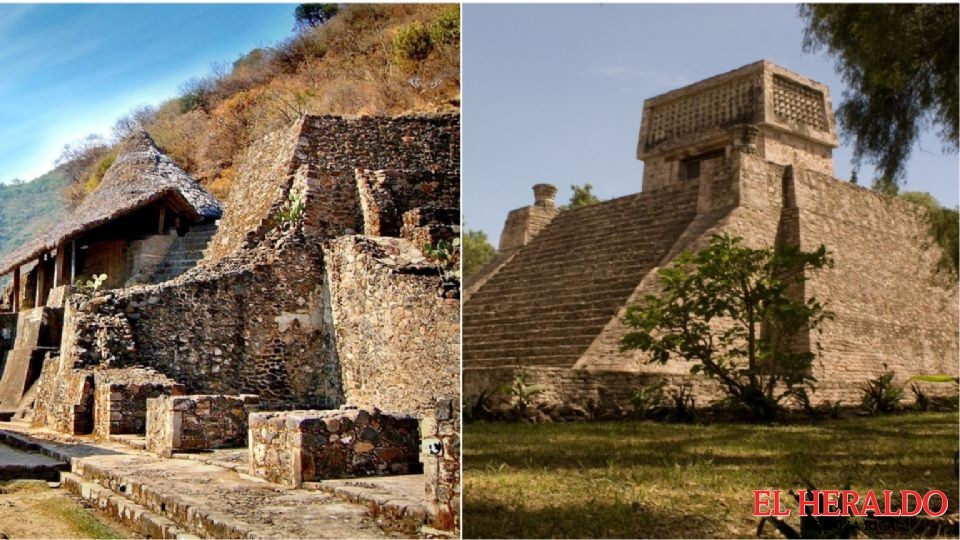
x: 293, y: 447
x: 197, y: 422
x: 440, y: 454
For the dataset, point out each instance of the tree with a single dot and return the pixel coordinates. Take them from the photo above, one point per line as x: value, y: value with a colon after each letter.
x: 900, y: 62
x: 733, y: 311
x: 314, y: 15
x: 477, y: 251
x: 581, y: 196
x: 137, y: 119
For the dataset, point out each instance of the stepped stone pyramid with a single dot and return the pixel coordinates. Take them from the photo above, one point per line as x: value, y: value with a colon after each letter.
x: 748, y: 153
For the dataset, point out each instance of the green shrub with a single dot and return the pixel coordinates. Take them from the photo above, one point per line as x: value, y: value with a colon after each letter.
x: 293, y: 209
x: 412, y: 43
x: 446, y: 28
x: 99, y: 169
x: 881, y: 395
x: 521, y: 391
x: 648, y: 398
x: 91, y: 286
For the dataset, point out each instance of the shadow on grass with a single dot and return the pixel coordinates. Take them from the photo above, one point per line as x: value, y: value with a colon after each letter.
x: 585, y: 468
x: 591, y: 519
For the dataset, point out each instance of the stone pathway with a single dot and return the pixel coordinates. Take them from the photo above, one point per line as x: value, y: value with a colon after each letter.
x: 18, y: 464
x: 204, y: 495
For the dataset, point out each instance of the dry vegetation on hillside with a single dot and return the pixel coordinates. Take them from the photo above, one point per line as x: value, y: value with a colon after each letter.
x: 367, y: 59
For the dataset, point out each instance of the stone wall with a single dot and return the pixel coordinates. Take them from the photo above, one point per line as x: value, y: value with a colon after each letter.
x: 584, y: 394
x: 293, y: 447
x: 397, y: 338
x: 64, y: 399
x: 323, y: 153
x: 386, y: 195
x: 440, y: 430
x: 253, y: 325
x: 120, y: 399
x: 198, y: 422
x: 892, y: 306
x: 146, y: 254
x: 262, y: 182
x: 430, y: 225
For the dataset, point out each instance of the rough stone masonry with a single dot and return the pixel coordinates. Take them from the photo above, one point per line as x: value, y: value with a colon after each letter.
x: 303, y: 319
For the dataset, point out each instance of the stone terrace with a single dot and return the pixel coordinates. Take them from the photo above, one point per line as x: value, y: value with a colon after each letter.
x: 195, y: 495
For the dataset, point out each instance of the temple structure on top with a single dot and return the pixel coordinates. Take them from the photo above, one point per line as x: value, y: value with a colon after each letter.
x: 686, y: 131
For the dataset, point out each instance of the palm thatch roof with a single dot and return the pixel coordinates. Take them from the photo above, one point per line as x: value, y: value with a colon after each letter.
x: 140, y: 176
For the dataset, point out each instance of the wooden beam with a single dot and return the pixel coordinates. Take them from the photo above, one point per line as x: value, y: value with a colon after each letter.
x: 163, y: 218
x: 73, y: 262
x: 16, y: 290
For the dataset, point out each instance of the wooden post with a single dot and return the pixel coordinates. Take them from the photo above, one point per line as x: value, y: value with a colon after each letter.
x: 16, y: 290
x: 73, y: 262
x: 163, y: 218
x: 58, y: 265
x: 40, y: 280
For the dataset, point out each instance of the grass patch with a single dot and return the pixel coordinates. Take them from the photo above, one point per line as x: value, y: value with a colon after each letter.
x: 647, y: 479
x: 46, y: 507
x: 77, y: 518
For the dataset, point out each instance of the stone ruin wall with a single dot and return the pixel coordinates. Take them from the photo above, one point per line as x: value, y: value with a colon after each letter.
x: 386, y: 196
x: 254, y: 326
x: 262, y: 183
x: 259, y: 320
x: 397, y: 338
x: 323, y: 154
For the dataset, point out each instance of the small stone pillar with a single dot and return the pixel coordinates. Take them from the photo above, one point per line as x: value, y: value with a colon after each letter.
x: 545, y: 195
x: 524, y: 223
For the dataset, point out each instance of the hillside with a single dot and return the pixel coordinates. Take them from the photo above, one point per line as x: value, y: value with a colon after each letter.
x: 27, y: 208
x: 367, y: 59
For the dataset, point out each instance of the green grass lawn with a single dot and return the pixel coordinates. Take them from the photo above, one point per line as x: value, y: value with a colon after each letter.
x: 646, y: 479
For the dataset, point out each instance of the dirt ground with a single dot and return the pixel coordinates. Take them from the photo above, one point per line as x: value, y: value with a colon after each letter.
x: 32, y: 509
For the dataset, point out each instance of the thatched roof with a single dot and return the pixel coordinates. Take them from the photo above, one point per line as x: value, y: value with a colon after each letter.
x: 140, y: 176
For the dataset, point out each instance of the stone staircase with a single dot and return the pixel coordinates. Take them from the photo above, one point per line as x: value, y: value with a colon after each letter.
x: 185, y: 252
x: 546, y: 305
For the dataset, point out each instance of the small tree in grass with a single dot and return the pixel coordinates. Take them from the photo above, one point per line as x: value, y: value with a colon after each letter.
x: 733, y: 310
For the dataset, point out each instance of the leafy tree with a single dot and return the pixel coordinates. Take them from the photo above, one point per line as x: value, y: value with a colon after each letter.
x: 477, y: 251
x: 733, y: 311
x: 900, y: 62
x: 412, y: 43
x: 581, y: 196
x: 314, y: 15
x: 445, y: 29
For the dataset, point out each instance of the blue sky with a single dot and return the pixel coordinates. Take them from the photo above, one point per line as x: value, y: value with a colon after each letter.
x: 554, y: 93
x: 70, y: 70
